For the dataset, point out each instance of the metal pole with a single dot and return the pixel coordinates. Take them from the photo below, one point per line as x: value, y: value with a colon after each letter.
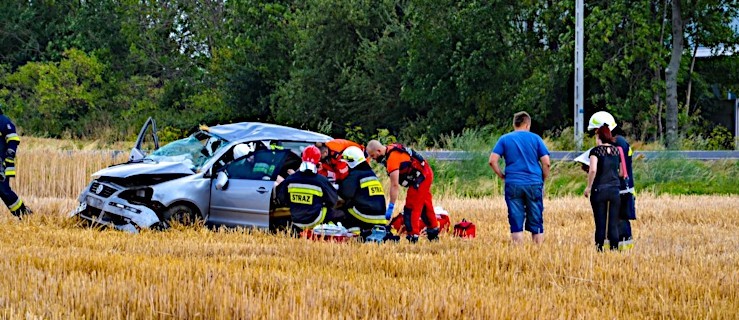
x: 579, y: 53
x: 736, y: 124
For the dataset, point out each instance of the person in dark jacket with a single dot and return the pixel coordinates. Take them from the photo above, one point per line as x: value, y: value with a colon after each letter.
x: 603, y: 188
x: 8, y: 147
x: 310, y: 196
x: 362, y: 193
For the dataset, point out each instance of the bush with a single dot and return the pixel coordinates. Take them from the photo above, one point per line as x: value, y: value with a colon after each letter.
x: 721, y: 139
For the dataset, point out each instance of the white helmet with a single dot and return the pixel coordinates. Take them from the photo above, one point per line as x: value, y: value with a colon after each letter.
x: 353, y: 156
x: 242, y: 150
x: 600, y: 118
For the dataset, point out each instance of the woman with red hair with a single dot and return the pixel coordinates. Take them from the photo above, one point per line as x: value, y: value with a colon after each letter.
x: 603, y: 188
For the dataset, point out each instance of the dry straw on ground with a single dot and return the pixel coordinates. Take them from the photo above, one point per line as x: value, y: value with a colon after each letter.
x: 684, y: 266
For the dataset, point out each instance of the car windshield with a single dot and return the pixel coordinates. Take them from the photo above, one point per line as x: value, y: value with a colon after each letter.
x: 193, y: 151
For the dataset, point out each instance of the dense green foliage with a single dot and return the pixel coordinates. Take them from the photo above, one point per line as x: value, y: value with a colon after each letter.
x: 420, y: 69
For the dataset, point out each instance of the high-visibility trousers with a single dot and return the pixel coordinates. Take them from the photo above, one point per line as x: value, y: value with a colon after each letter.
x: 417, y: 202
x: 9, y: 197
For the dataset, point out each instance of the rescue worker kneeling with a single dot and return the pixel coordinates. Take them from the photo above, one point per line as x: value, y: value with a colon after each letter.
x: 362, y: 193
x: 310, y: 196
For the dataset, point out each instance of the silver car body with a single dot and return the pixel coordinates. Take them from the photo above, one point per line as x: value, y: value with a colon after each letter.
x: 134, y: 195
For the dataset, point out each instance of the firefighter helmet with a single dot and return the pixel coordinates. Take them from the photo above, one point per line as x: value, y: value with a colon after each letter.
x: 353, y: 156
x: 600, y: 118
x: 242, y: 150
x: 312, y: 155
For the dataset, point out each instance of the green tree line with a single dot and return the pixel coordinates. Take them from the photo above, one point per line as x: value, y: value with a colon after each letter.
x: 418, y: 68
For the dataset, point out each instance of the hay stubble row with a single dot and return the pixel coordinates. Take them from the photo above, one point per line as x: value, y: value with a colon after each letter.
x: 684, y: 266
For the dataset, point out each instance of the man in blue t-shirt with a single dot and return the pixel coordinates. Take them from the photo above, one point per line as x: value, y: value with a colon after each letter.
x: 526, y: 168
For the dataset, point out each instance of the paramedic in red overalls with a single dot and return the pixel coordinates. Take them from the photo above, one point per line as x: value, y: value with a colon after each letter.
x: 331, y: 164
x: 408, y: 169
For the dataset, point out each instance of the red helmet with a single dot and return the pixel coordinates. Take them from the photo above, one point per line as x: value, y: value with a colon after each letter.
x: 312, y: 154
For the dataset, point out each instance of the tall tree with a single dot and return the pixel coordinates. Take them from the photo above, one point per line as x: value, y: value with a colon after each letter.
x: 328, y: 66
x: 254, y: 56
x: 671, y: 74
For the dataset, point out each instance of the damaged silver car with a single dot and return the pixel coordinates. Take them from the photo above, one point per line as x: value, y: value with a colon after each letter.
x: 200, y: 177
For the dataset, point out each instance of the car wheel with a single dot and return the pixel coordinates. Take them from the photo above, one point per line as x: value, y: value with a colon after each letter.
x: 181, y: 214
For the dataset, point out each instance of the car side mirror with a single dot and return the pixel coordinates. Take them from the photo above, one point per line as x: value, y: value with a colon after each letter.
x: 221, y: 181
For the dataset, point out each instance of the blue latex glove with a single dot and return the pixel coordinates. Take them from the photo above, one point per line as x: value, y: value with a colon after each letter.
x: 389, y: 212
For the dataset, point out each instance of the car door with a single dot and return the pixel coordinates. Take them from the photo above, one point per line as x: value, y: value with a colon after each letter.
x: 246, y: 199
x: 146, y: 142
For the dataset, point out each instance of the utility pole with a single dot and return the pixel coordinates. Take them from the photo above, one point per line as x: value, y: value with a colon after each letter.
x: 736, y: 124
x: 579, y: 53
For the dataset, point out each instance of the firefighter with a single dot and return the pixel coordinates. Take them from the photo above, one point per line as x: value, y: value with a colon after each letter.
x: 408, y: 168
x: 8, y: 146
x: 331, y: 164
x: 362, y: 193
x: 310, y: 196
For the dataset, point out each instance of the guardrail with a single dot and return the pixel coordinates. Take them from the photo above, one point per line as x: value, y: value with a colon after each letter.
x: 569, y: 155
x: 554, y: 155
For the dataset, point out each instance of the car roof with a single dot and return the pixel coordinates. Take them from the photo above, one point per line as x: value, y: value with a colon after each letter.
x: 265, y: 131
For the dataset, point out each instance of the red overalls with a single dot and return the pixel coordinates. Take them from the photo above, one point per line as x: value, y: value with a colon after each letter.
x: 418, y: 202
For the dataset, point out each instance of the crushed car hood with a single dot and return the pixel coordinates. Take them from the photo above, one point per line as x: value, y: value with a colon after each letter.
x: 144, y: 168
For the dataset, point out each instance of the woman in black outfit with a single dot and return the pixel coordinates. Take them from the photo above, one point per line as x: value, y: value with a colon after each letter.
x: 603, y: 188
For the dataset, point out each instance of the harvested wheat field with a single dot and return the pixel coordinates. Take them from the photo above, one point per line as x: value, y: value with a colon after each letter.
x: 684, y: 266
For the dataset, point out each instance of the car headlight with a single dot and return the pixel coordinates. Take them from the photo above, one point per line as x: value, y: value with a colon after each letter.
x: 138, y: 195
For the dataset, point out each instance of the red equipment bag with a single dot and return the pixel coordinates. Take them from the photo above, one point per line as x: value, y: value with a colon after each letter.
x: 464, y: 229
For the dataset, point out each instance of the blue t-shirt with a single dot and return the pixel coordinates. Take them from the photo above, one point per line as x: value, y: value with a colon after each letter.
x: 521, y: 151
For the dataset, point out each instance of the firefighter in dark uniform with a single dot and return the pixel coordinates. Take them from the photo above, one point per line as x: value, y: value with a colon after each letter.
x: 362, y: 193
x: 9, y: 141
x: 310, y: 196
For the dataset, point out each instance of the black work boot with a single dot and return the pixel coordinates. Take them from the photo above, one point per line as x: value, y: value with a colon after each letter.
x: 412, y: 238
x: 22, y: 211
x: 432, y: 234
x: 391, y: 237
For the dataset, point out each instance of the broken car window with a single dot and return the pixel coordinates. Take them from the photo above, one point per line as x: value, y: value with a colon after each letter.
x: 190, y: 151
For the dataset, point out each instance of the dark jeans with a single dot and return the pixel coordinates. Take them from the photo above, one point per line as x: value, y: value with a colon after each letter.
x: 525, y: 207
x: 606, y: 203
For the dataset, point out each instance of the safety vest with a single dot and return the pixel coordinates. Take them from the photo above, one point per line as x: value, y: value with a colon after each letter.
x: 410, y: 173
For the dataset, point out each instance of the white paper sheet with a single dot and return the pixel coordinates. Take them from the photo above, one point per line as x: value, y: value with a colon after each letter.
x: 584, y: 158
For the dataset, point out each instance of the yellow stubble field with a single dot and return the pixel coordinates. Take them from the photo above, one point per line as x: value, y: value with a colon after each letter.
x: 684, y: 265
